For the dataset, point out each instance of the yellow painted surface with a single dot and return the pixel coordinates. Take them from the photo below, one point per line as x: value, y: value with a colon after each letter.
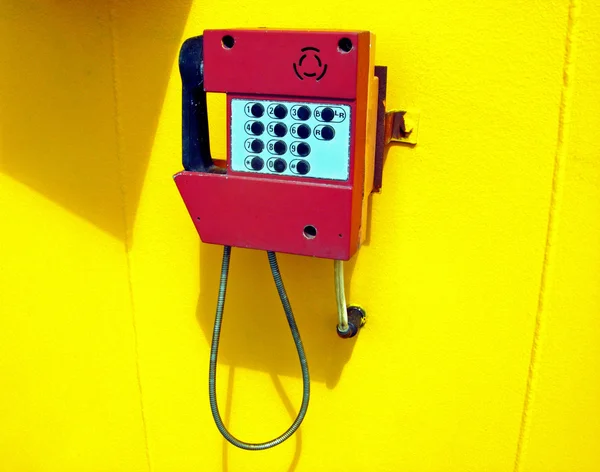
x: 481, y: 274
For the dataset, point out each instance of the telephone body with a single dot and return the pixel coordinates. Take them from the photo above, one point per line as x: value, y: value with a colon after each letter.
x: 302, y: 118
x: 306, y: 133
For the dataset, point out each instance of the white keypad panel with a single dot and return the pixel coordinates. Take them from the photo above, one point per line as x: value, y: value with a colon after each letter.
x: 310, y: 140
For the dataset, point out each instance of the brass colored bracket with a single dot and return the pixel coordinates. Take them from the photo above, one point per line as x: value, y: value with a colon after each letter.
x: 401, y: 126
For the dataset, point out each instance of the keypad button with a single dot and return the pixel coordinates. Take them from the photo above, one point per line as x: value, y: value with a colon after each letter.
x: 280, y: 130
x: 257, y: 145
x: 303, y: 149
x: 279, y: 165
x: 279, y: 148
x: 324, y: 132
x: 257, y: 110
x: 257, y: 163
x: 280, y: 112
x: 327, y: 114
x: 257, y: 128
x: 303, y: 167
x: 303, y: 113
x: 330, y: 114
x: 327, y: 133
x: 300, y: 112
x: 300, y: 146
x: 303, y: 131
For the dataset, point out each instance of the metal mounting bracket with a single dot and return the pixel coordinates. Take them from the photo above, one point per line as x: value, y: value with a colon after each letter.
x: 393, y: 126
x: 401, y: 126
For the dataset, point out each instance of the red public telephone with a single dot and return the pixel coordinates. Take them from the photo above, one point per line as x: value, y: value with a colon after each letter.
x: 305, y: 141
x: 302, y: 111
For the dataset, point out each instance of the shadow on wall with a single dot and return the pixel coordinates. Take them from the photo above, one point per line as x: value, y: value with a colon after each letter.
x: 255, y: 333
x: 291, y: 410
x: 62, y: 103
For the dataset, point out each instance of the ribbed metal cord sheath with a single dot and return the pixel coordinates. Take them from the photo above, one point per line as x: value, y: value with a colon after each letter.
x: 214, y: 350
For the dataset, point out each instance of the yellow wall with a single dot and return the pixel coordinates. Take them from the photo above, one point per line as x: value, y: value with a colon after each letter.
x: 481, y: 277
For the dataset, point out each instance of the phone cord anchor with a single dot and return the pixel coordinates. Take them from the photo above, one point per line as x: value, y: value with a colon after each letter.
x: 352, y: 318
x: 214, y: 350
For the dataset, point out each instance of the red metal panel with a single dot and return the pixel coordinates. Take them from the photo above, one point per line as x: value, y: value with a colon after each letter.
x: 270, y: 214
x: 305, y: 64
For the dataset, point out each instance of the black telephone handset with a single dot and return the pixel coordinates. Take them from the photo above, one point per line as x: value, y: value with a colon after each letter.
x: 196, y: 141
